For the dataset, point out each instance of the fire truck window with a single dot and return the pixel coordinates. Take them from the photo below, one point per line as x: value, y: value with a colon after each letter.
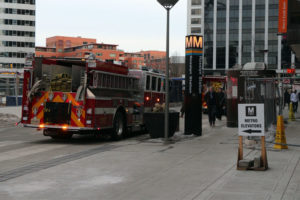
x: 95, y: 80
x: 153, y: 83
x: 99, y: 80
x: 126, y: 83
x: 136, y: 84
x: 148, y: 83
x: 123, y: 83
x: 117, y: 84
x: 104, y: 80
x: 120, y: 82
x: 130, y: 83
x: 108, y: 81
x: 112, y: 81
x: 159, y: 84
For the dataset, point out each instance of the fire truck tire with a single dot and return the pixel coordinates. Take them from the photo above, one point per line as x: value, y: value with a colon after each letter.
x: 119, y: 126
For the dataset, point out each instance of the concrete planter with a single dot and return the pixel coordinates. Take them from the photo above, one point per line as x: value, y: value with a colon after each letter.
x: 155, y: 123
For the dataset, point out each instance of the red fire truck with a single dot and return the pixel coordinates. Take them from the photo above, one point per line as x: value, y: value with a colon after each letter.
x: 71, y: 96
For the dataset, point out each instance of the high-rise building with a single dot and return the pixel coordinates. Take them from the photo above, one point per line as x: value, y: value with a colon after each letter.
x: 240, y: 31
x: 17, y: 32
x: 195, y: 17
x: 17, y: 39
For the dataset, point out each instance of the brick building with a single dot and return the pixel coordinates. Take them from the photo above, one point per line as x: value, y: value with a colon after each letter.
x: 77, y: 47
x: 155, y: 59
x: 133, y: 60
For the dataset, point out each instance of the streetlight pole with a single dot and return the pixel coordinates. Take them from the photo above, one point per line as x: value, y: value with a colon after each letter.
x: 167, y: 4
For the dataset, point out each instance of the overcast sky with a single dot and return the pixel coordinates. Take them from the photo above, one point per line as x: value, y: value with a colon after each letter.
x: 132, y: 24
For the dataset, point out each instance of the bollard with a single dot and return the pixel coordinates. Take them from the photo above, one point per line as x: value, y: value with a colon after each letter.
x: 291, y: 113
x: 280, y: 140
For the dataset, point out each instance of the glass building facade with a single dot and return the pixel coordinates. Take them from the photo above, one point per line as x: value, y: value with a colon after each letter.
x: 259, y: 48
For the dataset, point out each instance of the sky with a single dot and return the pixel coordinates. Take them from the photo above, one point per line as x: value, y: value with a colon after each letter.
x: 134, y: 25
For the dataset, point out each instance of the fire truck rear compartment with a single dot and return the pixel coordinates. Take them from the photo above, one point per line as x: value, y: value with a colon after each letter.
x: 57, y: 113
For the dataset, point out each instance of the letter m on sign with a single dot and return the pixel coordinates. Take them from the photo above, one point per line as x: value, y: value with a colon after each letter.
x: 188, y: 42
x: 251, y: 111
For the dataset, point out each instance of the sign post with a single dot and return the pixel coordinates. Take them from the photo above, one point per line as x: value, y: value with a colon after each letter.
x: 193, y: 85
x: 252, y: 123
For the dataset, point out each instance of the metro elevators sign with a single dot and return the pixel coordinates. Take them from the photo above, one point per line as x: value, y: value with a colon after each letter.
x: 251, y: 119
x: 193, y: 84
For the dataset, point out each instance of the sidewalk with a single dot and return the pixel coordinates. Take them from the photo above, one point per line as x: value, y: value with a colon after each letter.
x: 9, y: 116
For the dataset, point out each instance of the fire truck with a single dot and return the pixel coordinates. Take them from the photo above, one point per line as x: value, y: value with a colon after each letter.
x: 63, y: 97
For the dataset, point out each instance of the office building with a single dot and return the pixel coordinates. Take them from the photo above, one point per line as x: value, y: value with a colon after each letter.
x: 195, y: 17
x: 17, y: 38
x: 238, y: 31
x: 17, y: 32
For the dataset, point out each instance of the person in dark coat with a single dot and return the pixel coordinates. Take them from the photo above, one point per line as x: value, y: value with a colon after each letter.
x: 211, y: 101
x: 221, y: 103
x: 287, y: 98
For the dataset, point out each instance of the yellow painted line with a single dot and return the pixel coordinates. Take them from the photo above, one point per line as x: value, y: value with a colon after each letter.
x: 75, y: 119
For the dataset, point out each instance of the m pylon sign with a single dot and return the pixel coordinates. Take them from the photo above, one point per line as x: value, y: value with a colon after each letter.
x: 193, y: 84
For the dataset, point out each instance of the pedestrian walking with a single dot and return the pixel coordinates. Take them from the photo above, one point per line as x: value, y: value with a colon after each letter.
x: 287, y: 98
x: 211, y: 101
x: 294, y: 100
x: 220, y: 103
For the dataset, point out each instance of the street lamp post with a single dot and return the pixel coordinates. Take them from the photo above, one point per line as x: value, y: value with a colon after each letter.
x: 167, y: 4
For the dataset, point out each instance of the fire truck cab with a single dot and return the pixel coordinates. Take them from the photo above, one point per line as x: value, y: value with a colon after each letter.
x: 68, y: 96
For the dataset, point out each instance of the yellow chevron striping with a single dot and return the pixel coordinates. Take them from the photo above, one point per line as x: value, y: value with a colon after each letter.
x: 83, y: 113
x: 40, y: 115
x: 75, y: 120
x: 42, y: 99
x: 71, y: 98
x: 58, y: 99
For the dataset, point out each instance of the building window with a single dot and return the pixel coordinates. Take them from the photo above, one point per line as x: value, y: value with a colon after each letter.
x: 32, y: 2
x: 112, y: 55
x: 196, y: 2
x: 19, y: 22
x: 196, y: 21
x: 18, y: 33
x: 19, y: 11
x: 195, y: 30
x: 196, y: 11
x: 18, y: 44
x: 99, y: 54
x: 12, y: 55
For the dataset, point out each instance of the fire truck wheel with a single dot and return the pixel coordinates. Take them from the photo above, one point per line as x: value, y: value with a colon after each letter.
x: 119, y: 128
